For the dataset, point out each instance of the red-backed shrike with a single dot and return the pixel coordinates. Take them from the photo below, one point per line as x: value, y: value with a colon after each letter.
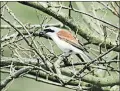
x: 66, y: 42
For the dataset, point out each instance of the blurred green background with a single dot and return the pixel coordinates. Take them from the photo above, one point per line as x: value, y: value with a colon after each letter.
x: 26, y: 15
x: 29, y: 15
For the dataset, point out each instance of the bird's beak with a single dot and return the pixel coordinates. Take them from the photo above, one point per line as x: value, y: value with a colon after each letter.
x: 42, y: 33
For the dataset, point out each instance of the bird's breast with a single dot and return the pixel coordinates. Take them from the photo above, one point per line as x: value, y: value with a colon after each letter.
x: 64, y: 46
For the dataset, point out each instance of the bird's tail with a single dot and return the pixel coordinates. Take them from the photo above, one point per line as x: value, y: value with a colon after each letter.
x: 84, y: 57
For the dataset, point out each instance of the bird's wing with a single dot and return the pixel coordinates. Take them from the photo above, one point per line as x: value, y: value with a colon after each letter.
x: 68, y: 37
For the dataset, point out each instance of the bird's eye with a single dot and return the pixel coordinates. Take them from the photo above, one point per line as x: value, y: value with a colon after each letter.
x: 48, y: 30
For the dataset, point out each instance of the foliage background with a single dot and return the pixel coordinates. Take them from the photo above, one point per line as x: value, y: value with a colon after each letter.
x: 28, y: 15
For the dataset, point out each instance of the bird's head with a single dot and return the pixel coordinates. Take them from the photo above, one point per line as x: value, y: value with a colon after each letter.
x: 49, y: 32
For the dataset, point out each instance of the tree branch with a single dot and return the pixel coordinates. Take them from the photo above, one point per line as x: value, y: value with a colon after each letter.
x: 85, y: 34
x: 87, y: 78
x: 96, y: 59
x: 13, y: 76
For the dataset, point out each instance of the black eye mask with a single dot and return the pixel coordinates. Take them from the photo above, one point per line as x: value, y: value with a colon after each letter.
x: 43, y: 34
x: 48, y: 30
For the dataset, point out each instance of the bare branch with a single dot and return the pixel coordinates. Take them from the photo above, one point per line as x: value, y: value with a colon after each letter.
x: 100, y: 56
x: 89, y: 37
x: 14, y: 76
x: 87, y: 78
x: 110, y: 9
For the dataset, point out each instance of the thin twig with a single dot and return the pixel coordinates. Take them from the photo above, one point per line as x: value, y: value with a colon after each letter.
x: 25, y: 40
x: 109, y: 9
x: 14, y: 76
x: 87, y: 65
x: 93, y: 39
x: 75, y: 10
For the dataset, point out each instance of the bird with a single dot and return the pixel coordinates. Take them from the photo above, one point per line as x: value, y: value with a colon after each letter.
x: 66, y: 42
